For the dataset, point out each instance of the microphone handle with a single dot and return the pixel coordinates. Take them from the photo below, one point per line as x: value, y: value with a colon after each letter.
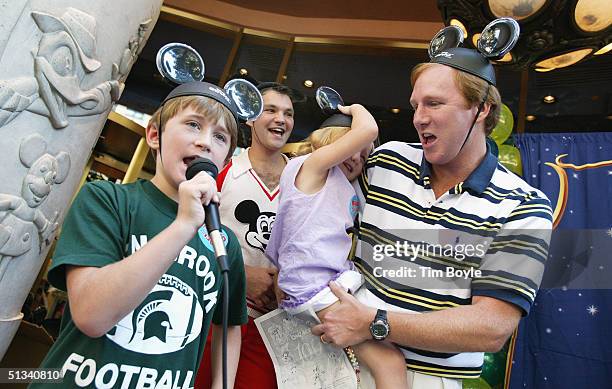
x: 213, y: 226
x: 212, y: 220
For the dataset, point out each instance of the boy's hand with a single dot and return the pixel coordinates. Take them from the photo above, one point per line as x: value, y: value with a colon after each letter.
x: 193, y: 195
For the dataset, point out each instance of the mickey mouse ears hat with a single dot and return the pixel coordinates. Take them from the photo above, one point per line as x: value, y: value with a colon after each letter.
x: 181, y: 64
x: 205, y: 89
x: 328, y: 100
x: 497, y: 39
x: 337, y: 120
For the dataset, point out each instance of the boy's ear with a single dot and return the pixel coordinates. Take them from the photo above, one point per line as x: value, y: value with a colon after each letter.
x: 152, y: 136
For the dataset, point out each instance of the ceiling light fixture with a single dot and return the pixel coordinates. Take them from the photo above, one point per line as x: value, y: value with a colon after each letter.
x: 456, y: 22
x: 544, y: 70
x: 604, y: 49
x: 308, y: 84
x: 552, y: 36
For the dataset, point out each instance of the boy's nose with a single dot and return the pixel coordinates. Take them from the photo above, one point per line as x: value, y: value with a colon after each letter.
x: 204, y: 140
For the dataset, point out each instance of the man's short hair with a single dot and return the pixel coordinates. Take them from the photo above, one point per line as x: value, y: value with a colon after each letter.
x: 276, y: 87
x: 472, y: 89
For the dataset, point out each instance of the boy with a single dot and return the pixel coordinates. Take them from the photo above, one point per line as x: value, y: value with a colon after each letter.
x: 141, y: 276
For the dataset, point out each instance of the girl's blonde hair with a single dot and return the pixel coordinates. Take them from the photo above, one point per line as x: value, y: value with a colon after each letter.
x: 205, y: 106
x: 321, y: 137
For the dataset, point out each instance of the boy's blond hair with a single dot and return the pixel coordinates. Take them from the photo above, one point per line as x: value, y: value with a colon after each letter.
x: 205, y: 106
x: 321, y: 137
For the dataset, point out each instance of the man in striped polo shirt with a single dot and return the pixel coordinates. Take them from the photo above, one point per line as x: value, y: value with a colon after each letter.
x: 451, y: 244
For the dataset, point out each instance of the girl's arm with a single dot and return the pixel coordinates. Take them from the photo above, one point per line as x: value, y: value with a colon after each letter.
x: 363, y: 132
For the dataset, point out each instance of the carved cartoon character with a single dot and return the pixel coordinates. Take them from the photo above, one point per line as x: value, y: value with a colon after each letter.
x: 19, y: 216
x: 66, y: 52
x: 260, y: 223
x: 130, y: 54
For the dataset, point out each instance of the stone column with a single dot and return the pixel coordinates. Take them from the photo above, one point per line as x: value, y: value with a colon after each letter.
x: 62, y: 64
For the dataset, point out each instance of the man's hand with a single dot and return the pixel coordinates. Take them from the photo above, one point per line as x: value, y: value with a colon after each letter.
x: 280, y: 295
x: 260, y: 286
x: 349, y: 323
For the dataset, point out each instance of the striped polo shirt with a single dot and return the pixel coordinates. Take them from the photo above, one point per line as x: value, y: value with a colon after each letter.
x: 486, y: 236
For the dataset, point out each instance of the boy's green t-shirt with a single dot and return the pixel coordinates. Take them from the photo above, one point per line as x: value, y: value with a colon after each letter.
x: 160, y: 343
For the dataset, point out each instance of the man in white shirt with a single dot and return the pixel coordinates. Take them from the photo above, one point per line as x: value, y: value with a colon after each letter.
x: 249, y: 186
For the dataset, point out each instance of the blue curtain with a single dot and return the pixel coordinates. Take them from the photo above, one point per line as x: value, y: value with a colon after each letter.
x: 566, y: 341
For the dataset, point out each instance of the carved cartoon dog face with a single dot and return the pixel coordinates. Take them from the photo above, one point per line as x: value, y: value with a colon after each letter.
x: 45, y: 169
x: 260, y: 223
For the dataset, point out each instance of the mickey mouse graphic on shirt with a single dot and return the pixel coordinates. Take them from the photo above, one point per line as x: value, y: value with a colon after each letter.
x: 260, y: 223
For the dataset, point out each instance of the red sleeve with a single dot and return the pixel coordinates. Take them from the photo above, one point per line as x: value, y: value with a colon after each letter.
x: 221, y: 176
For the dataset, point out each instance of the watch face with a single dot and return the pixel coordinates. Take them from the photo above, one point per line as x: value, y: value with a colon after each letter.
x: 379, y: 330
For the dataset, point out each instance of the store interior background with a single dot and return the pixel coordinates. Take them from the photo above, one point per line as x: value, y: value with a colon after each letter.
x: 275, y: 41
x: 363, y: 67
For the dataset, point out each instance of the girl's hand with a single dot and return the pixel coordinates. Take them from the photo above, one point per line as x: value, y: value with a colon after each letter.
x: 352, y: 109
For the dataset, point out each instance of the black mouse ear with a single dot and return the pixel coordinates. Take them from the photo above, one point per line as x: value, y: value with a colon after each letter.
x: 328, y: 100
x: 498, y: 38
x: 246, y: 97
x: 246, y: 211
x: 447, y: 38
x: 179, y: 63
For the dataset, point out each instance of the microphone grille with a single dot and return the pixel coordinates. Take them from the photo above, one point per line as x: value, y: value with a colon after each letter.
x: 201, y: 165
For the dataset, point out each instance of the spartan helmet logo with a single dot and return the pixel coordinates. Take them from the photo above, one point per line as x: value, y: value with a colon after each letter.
x: 168, y: 319
x: 156, y: 323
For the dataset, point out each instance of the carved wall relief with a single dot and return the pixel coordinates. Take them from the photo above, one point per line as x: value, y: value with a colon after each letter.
x: 130, y: 54
x: 65, y: 54
x: 22, y: 224
x: 62, y: 64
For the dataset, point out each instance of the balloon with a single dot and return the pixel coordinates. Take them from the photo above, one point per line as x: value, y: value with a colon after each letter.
x: 510, y: 157
x: 494, y: 368
x: 502, y: 131
x: 478, y: 383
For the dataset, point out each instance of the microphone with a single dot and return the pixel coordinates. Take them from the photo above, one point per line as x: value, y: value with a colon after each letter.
x: 213, y: 225
x: 212, y: 221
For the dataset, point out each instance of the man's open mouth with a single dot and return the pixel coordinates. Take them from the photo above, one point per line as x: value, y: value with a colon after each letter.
x: 277, y: 131
x: 428, y: 139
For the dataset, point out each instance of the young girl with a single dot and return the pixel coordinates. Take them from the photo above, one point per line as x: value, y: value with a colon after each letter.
x: 309, y: 243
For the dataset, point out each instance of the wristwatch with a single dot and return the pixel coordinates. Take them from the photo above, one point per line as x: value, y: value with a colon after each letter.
x: 379, y: 328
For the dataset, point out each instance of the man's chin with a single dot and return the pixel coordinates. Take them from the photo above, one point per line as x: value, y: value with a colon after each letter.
x: 435, y: 158
x: 276, y: 146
